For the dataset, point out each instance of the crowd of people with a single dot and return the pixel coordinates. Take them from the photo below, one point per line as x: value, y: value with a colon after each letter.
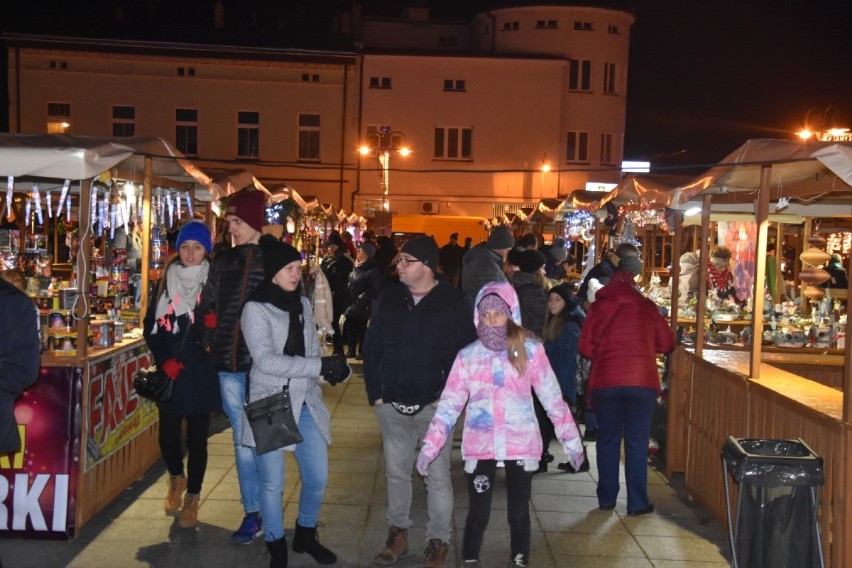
x: 496, y: 330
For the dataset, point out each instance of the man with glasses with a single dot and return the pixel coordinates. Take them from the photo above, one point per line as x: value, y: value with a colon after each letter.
x: 417, y: 327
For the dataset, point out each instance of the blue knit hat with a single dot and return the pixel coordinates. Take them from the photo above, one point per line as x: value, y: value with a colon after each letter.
x: 195, y: 231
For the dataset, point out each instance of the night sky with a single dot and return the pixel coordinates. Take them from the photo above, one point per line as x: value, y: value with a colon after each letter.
x: 704, y: 76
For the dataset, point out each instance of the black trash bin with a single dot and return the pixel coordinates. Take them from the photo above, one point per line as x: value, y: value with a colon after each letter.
x: 776, y: 524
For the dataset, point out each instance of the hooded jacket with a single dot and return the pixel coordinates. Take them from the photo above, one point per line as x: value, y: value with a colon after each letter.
x: 622, y: 334
x: 481, y: 265
x: 500, y: 422
x: 409, y: 349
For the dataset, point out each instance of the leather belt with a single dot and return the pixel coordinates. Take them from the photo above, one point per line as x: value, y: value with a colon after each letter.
x: 408, y: 409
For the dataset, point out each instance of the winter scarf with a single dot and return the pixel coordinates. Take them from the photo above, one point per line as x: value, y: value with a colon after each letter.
x: 183, y: 287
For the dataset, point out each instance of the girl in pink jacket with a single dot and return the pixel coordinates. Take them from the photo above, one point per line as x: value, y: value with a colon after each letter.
x: 495, y: 376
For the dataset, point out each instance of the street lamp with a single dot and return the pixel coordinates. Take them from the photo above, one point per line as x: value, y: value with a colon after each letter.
x: 827, y: 130
x: 386, y: 141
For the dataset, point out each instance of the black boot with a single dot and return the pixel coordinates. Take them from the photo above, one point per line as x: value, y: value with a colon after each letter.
x: 306, y: 540
x: 277, y: 553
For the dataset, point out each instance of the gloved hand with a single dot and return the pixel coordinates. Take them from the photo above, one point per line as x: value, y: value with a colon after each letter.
x: 334, y: 369
x: 172, y: 368
x: 423, y: 462
x: 211, y: 320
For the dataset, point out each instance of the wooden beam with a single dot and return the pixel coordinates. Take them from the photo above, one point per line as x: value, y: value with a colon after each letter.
x: 84, y: 263
x: 761, y: 208
x: 674, y: 275
x: 146, y: 238
x: 701, y: 306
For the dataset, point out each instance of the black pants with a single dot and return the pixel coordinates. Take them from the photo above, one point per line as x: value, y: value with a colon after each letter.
x: 545, y: 426
x: 356, y: 329
x: 197, y: 431
x: 480, y: 489
x: 337, y: 338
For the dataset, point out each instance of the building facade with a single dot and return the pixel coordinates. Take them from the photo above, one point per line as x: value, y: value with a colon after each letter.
x: 486, y: 107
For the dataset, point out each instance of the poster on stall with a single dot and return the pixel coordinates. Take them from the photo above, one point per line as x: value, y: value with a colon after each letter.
x: 116, y: 414
x: 740, y: 238
x: 38, y: 484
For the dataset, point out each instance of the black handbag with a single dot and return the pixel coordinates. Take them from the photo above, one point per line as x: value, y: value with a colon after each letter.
x: 154, y: 384
x: 271, y: 420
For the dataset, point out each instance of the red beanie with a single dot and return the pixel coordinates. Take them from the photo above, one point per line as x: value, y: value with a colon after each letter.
x: 249, y: 206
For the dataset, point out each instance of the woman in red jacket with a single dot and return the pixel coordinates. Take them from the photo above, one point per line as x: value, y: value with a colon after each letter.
x: 622, y: 334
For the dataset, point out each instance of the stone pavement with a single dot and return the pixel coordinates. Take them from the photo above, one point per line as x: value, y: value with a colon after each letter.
x: 567, y: 528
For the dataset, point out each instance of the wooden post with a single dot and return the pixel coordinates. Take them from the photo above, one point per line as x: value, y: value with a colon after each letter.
x: 146, y: 237
x: 761, y: 207
x: 701, y: 306
x: 674, y: 275
x: 780, y: 287
x: 805, y: 306
x: 84, y: 267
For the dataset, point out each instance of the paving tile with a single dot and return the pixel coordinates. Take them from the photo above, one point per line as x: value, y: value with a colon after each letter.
x: 679, y: 548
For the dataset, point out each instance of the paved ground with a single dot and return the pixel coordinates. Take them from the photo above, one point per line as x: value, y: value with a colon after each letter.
x: 567, y: 528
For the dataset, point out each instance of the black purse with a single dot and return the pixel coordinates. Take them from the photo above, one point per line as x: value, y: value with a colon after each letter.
x: 154, y: 384
x: 272, y: 421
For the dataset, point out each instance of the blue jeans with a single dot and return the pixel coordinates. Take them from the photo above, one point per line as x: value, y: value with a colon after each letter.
x: 312, y: 458
x: 624, y: 412
x: 233, y: 389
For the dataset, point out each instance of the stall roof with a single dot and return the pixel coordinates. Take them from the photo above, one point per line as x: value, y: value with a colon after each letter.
x: 799, y: 169
x: 61, y: 156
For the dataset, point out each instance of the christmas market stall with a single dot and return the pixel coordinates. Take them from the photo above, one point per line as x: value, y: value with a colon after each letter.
x: 85, y: 224
x: 790, y: 378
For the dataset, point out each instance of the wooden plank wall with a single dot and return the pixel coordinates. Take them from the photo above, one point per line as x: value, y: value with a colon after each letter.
x: 718, y: 408
x: 680, y: 373
x: 104, y: 482
x: 717, y: 403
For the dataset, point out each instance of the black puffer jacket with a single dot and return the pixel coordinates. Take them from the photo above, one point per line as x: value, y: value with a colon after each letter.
x: 365, y: 282
x: 234, y: 274
x: 409, y: 349
x: 337, y: 269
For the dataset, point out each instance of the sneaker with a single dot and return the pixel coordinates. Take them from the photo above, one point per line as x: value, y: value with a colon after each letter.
x: 396, y: 546
x: 250, y: 528
x: 435, y: 553
x: 518, y: 560
x: 568, y: 468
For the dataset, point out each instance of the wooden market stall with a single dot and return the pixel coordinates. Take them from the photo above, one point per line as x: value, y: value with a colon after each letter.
x: 763, y: 392
x: 86, y: 434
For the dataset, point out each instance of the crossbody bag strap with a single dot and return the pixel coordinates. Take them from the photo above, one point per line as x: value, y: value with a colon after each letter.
x: 248, y: 385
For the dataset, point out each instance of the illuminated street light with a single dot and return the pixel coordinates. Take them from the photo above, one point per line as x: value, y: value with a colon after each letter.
x: 387, y: 141
x: 826, y: 130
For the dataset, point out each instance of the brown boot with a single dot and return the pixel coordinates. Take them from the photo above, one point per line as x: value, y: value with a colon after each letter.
x: 177, y: 485
x: 396, y: 546
x: 435, y: 553
x: 189, y: 513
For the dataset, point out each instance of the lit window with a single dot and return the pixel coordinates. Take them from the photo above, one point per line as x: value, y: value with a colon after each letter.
x: 58, y: 118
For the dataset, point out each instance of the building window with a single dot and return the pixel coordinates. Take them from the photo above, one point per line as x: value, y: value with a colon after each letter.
x: 545, y: 24
x: 511, y: 26
x: 373, y: 141
x: 309, y: 137
x: 609, y: 78
x: 612, y: 29
x: 454, y: 85
x: 447, y: 41
x: 186, y: 71
x: 577, y: 147
x: 123, y: 121
x: 248, y: 134
x: 58, y: 118
x: 310, y: 77
x: 583, y: 26
x: 186, y: 131
x: 453, y: 143
x: 380, y: 82
x: 580, y: 75
x: 606, y: 149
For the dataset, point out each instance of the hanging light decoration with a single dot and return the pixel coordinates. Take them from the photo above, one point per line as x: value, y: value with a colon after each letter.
x: 813, y: 274
x: 578, y: 225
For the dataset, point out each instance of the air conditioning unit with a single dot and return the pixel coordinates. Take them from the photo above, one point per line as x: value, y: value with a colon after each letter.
x: 429, y: 207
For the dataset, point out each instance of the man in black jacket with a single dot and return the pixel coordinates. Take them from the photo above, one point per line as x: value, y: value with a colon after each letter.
x: 417, y: 328
x: 20, y: 349
x: 234, y: 274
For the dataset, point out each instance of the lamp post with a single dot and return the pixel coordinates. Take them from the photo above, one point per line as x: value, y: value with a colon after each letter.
x: 383, y: 147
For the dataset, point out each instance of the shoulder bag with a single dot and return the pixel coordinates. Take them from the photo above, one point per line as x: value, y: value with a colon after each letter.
x: 152, y: 383
x: 271, y: 419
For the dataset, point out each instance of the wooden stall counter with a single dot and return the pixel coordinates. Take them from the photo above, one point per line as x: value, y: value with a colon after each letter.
x: 86, y: 437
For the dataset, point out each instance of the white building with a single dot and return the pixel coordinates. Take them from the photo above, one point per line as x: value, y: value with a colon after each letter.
x: 483, y: 106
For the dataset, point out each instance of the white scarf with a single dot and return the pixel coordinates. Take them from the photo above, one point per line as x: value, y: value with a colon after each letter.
x: 183, y: 287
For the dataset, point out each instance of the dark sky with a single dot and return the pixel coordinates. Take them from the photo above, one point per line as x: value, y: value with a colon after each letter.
x: 704, y: 76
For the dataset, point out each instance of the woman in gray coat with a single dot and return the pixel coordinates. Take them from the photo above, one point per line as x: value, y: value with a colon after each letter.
x: 279, y: 329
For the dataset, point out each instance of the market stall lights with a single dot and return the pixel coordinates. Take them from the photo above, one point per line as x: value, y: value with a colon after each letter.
x: 692, y: 211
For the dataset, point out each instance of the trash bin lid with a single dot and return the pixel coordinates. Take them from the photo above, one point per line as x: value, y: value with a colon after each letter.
x: 772, y: 463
